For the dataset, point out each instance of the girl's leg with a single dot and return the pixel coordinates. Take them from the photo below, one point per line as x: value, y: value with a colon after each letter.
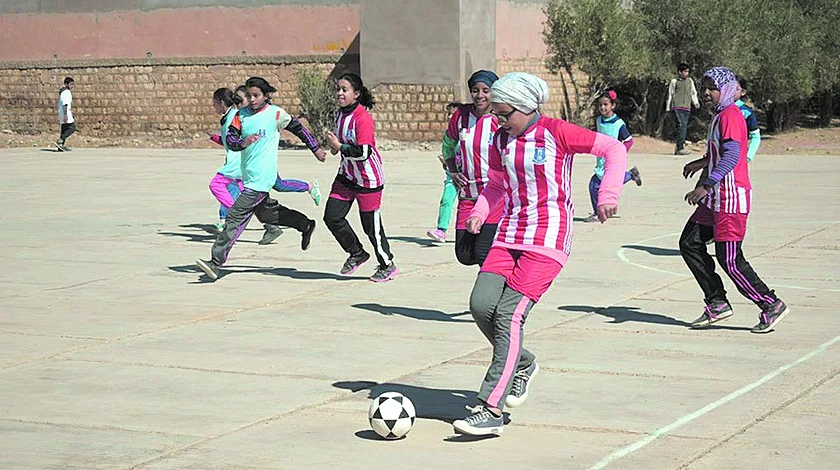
x: 700, y: 263
x: 290, y: 185
x: 484, y: 241
x: 335, y: 216
x: 594, y: 186
x: 447, y: 202
x: 233, y: 189
x: 238, y: 216
x: 219, y: 188
x: 731, y: 259
x: 465, y: 247
x: 272, y: 213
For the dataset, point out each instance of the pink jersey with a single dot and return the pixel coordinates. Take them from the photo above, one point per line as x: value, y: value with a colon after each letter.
x: 733, y: 192
x: 356, y: 127
x: 475, y: 136
x: 536, y: 170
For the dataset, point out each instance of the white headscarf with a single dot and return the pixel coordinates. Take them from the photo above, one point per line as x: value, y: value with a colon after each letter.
x: 523, y: 91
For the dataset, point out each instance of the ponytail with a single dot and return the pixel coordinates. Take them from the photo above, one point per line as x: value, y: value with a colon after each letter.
x: 365, y: 96
x: 227, y: 97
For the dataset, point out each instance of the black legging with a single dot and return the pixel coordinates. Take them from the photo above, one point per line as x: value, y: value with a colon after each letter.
x: 472, y: 249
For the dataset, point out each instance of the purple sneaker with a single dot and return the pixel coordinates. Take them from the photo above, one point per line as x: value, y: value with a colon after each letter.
x: 771, y: 316
x: 713, y: 313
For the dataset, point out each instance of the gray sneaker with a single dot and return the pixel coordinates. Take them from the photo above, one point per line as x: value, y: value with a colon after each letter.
x: 480, y: 423
x: 353, y: 262
x: 636, y: 176
x: 384, y: 274
x: 210, y: 268
x: 713, y: 313
x: 771, y: 316
x: 519, y: 388
x: 271, y: 234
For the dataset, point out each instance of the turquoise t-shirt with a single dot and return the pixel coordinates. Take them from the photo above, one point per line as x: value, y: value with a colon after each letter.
x: 613, y: 127
x: 233, y: 160
x: 259, y: 160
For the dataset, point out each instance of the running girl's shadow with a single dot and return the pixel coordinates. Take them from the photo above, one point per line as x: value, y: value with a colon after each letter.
x: 424, y: 242
x: 193, y: 269
x: 417, y: 313
x: 293, y: 273
x: 207, y: 233
x: 621, y: 314
x: 653, y: 250
x: 430, y: 403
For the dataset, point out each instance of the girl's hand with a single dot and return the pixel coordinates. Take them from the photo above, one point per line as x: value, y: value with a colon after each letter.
x: 459, y: 180
x: 474, y: 225
x: 321, y: 155
x: 691, y: 168
x: 606, y: 211
x: 333, y: 142
x: 250, y: 140
x: 697, y: 195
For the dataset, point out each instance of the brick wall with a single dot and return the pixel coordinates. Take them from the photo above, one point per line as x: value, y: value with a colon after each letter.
x: 411, y: 112
x: 165, y: 98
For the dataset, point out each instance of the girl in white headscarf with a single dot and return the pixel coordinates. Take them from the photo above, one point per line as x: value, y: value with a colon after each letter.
x: 530, y: 168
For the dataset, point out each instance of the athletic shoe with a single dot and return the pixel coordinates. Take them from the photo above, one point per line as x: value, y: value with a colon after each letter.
x: 521, y: 383
x: 771, y: 316
x: 635, y: 176
x: 210, y: 268
x: 315, y: 192
x: 480, y: 423
x: 384, y: 274
x: 713, y: 313
x: 271, y: 234
x: 353, y: 262
x: 683, y: 152
x: 306, y: 236
x: 591, y: 218
x: 437, y: 235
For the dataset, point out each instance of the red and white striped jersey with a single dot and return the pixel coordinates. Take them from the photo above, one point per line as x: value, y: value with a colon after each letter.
x: 733, y: 193
x: 475, y: 137
x: 356, y: 127
x: 537, y: 168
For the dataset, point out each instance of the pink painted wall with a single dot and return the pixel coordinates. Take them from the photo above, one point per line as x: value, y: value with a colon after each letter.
x: 189, y: 32
x: 519, y: 30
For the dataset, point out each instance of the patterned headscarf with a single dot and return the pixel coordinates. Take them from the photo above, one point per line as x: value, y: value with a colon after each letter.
x: 725, y: 81
x: 523, y: 91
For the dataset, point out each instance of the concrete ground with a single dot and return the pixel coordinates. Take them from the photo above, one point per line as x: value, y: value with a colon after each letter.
x: 115, y: 354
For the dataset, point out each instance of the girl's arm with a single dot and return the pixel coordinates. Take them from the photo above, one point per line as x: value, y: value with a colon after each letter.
x: 301, y: 132
x: 451, y: 141
x: 755, y: 142
x: 576, y: 139
x: 363, y: 148
x: 730, y: 153
x: 494, y: 190
x: 216, y: 138
x: 625, y: 137
x: 233, y: 136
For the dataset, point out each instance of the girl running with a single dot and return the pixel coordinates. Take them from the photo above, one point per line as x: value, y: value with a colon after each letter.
x: 449, y: 194
x: 360, y: 177
x: 471, y: 131
x: 530, y: 168
x: 227, y: 184
x: 723, y: 199
x: 610, y: 124
x: 255, y: 131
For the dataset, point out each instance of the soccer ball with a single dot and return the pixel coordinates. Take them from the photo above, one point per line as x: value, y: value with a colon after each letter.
x: 391, y: 415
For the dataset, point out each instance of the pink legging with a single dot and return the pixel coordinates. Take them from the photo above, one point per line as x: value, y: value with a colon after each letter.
x: 219, y: 188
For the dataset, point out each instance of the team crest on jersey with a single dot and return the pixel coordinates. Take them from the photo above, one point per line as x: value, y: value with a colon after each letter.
x: 261, y: 132
x: 350, y: 135
x: 539, y: 155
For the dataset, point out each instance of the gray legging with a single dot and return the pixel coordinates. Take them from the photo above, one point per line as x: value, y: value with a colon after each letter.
x: 500, y: 313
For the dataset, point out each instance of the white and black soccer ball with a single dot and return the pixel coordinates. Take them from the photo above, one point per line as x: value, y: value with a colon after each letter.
x: 391, y: 415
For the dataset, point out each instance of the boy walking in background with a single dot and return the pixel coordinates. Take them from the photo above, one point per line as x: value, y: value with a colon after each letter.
x: 65, y: 114
x: 682, y: 95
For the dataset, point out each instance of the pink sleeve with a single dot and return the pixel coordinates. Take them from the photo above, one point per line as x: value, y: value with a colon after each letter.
x: 216, y: 138
x: 615, y: 162
x: 628, y: 143
x: 364, y: 128
x: 494, y: 190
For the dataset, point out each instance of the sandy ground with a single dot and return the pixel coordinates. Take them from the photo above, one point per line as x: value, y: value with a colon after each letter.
x: 115, y: 354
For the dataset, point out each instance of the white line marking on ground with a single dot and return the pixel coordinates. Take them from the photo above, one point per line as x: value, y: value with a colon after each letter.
x: 710, y: 407
x: 621, y: 253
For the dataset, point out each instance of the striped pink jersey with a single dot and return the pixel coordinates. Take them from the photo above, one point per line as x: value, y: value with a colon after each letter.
x: 475, y: 137
x: 733, y: 193
x: 537, y: 169
x: 356, y: 127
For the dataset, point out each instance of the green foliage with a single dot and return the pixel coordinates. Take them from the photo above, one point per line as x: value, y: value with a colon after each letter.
x: 787, y: 49
x: 317, y: 101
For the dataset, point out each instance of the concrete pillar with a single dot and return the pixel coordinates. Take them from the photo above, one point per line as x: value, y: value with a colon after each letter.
x: 430, y: 42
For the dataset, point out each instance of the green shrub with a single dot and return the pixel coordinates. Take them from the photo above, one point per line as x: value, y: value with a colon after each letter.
x: 317, y: 101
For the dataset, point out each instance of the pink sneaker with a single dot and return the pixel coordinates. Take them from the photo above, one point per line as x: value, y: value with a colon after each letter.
x: 437, y: 235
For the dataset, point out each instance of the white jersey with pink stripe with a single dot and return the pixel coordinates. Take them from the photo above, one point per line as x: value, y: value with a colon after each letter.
x: 356, y: 127
x: 475, y: 136
x: 537, y: 169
